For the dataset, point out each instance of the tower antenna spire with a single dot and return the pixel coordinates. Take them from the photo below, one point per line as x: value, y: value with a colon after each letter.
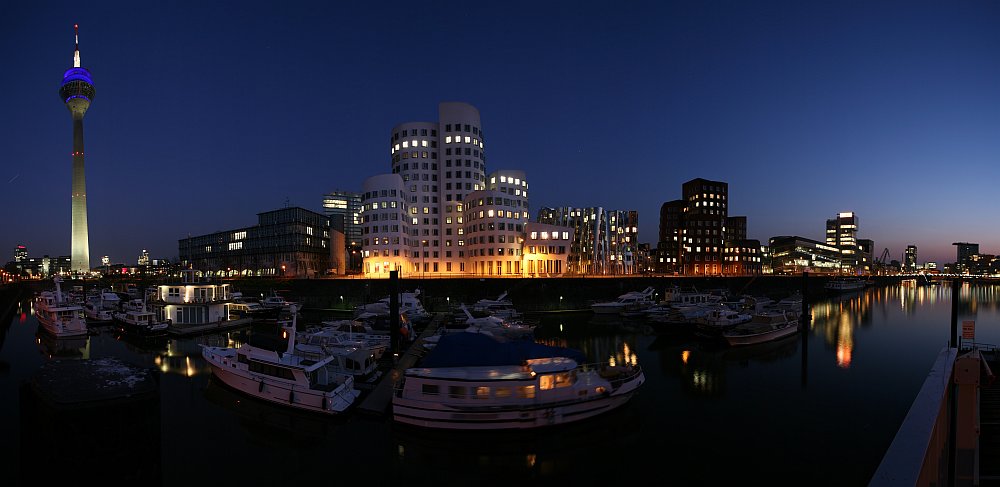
x: 76, y: 52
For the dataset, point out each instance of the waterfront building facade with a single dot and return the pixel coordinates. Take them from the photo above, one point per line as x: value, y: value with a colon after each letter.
x: 704, y: 232
x: 603, y: 240
x: 76, y: 92
x: 842, y: 232
x: 669, y: 249
x: 866, y: 256
x: 965, y: 251
x: 742, y: 258
x: 20, y: 253
x: 344, y: 210
x: 494, y: 226
x: 546, y: 250
x: 910, y: 259
x: 792, y: 255
x: 288, y: 242
x: 386, y: 228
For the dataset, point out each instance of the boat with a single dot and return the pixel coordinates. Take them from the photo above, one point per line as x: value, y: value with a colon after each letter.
x: 287, y: 378
x: 141, y: 321
x: 409, y: 305
x: 496, y: 326
x: 633, y: 301
x: 275, y: 300
x: 764, y: 327
x: 329, y: 336
x: 58, y: 316
x: 842, y: 285
x: 193, y: 302
x: 500, y: 307
x: 470, y: 381
x: 719, y: 319
x: 95, y: 312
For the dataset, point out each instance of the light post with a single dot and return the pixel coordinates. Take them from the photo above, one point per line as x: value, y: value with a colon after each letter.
x: 560, y: 302
x: 423, y: 245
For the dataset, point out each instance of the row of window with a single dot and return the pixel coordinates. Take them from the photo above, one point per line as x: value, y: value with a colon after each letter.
x: 458, y: 128
x: 413, y: 133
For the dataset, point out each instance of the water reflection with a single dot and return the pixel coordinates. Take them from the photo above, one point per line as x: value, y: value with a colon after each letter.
x: 51, y: 347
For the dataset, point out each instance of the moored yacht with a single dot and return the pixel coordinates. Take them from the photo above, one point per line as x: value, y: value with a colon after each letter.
x: 58, y: 316
x: 286, y: 378
x: 633, y: 301
x: 470, y: 381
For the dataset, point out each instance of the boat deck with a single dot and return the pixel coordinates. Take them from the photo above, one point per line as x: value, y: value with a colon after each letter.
x: 188, y: 330
x: 378, y: 400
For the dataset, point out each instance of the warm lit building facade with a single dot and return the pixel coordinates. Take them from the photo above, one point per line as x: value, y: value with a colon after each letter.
x: 494, y: 225
x: 546, y: 250
x: 438, y: 214
x: 704, y: 227
x: 742, y: 257
x: 669, y: 249
x: 289, y: 242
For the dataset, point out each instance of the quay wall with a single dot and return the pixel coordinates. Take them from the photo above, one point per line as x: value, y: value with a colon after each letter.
x: 527, y: 294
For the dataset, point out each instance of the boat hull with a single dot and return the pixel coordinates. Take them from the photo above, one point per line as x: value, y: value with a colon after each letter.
x: 741, y: 340
x: 62, y: 329
x: 435, y: 414
x: 279, y: 392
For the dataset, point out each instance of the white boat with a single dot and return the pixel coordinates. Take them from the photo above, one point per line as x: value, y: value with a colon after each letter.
x: 58, y: 316
x: 409, y: 305
x: 843, y: 285
x: 286, y: 378
x: 470, y: 381
x: 497, y: 327
x: 96, y: 313
x: 633, y: 301
x: 332, y: 336
x: 275, y: 300
x: 500, y: 307
x: 720, y: 318
x: 764, y: 327
x: 141, y: 321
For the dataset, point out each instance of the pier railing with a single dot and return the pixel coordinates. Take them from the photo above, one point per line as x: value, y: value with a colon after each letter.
x: 939, y: 440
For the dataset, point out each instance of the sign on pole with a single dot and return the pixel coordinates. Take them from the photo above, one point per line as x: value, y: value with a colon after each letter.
x: 969, y: 330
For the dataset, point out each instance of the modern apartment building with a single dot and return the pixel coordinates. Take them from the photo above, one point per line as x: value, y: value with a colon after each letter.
x: 288, y: 242
x: 793, y: 255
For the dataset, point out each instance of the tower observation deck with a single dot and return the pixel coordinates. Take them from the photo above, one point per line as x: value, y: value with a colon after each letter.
x: 77, y: 91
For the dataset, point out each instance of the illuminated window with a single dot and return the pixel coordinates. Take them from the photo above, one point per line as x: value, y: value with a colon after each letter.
x: 447, y: 140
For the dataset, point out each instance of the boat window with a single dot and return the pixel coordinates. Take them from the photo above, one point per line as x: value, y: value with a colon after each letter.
x: 503, y: 392
x: 271, y: 370
x: 242, y: 358
x: 546, y: 382
x: 564, y: 380
x: 430, y: 389
x: 456, y: 392
x: 526, y: 392
x: 482, y: 392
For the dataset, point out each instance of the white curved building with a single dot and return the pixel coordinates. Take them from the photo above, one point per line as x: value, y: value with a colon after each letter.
x: 439, y: 164
x: 495, y: 220
x: 385, y: 226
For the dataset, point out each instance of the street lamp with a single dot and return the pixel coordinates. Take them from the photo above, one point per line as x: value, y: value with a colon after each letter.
x: 560, y: 302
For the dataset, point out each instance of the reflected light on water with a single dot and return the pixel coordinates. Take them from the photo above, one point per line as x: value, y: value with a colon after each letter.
x: 845, y: 342
x: 530, y: 459
x: 685, y: 355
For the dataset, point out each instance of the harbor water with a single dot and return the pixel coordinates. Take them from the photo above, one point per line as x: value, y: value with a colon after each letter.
x: 817, y: 408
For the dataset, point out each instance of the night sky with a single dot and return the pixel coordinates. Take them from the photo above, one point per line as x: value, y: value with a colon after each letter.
x: 208, y: 113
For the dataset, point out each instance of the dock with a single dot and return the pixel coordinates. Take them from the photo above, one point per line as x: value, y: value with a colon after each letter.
x: 377, y: 401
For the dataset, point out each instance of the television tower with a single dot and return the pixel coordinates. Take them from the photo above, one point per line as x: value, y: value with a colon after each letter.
x: 77, y: 91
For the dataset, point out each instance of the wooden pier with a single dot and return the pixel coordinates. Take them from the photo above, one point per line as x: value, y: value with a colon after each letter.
x: 378, y: 400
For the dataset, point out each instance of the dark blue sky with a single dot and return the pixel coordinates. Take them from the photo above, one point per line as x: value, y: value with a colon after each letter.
x: 209, y: 112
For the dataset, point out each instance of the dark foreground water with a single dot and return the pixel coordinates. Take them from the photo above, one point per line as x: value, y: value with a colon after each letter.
x: 769, y: 414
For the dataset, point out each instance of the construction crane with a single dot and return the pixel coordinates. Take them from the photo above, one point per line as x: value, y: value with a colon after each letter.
x: 880, y: 264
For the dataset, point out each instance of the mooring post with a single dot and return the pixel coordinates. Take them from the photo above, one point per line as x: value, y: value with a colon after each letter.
x: 956, y: 289
x: 394, y: 312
